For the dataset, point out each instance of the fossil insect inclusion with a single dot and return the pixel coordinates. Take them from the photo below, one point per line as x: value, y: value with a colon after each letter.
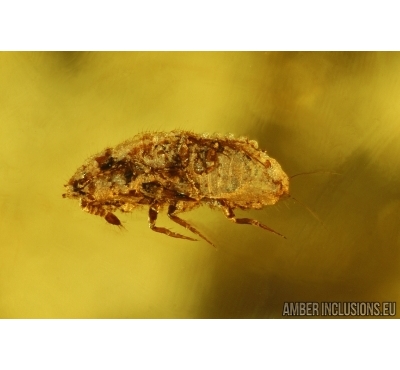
x: 178, y: 171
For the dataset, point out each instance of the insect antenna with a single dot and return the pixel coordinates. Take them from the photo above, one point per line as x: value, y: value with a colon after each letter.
x: 313, y: 172
x: 304, y: 205
x: 307, y: 208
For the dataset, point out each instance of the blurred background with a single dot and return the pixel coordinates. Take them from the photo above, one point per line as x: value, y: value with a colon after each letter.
x: 335, y: 112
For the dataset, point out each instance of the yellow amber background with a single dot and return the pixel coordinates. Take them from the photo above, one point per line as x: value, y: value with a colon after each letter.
x: 338, y: 112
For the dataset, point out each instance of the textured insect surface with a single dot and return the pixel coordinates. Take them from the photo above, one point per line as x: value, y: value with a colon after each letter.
x: 179, y: 171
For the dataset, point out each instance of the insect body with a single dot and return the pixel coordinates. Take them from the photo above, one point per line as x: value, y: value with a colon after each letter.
x: 179, y: 171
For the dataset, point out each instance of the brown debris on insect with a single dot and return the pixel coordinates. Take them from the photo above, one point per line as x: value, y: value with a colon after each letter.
x: 179, y: 170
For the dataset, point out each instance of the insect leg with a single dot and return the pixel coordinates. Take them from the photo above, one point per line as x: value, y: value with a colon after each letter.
x: 153, y: 213
x: 112, y: 219
x: 245, y: 221
x: 99, y: 211
x: 178, y: 220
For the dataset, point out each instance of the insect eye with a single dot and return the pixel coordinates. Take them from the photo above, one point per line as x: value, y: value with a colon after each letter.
x: 105, y: 161
x: 107, y: 164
